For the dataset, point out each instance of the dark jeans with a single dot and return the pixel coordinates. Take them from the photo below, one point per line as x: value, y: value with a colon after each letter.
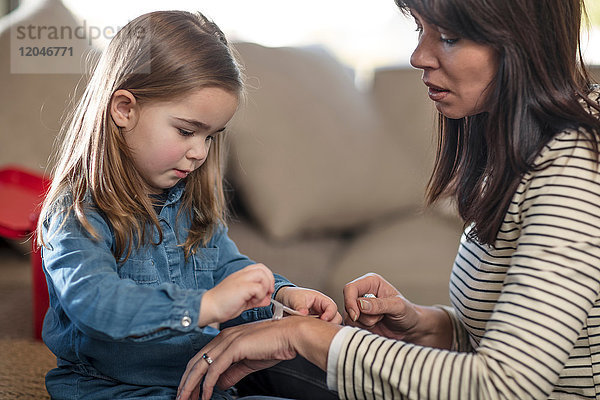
x: 294, y: 379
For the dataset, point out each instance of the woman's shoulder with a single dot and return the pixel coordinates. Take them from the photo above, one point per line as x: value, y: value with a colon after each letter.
x: 568, y: 157
x: 568, y: 144
x: 571, y: 143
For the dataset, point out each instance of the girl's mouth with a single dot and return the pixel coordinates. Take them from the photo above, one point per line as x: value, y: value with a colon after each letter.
x: 181, y: 173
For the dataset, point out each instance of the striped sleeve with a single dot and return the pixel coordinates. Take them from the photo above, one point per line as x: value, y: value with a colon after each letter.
x: 525, y: 308
x: 460, y: 337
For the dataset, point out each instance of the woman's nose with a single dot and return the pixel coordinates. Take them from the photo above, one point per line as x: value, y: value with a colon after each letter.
x: 423, y: 56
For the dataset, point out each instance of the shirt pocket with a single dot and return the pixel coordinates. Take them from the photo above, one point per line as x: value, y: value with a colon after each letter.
x: 205, y: 259
x: 205, y: 263
x: 141, y: 271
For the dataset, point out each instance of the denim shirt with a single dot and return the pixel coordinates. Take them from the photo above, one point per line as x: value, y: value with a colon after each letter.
x: 134, y: 322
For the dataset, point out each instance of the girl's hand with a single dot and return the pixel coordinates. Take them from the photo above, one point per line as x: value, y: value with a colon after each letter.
x: 308, y: 301
x: 391, y: 315
x: 247, y: 288
x: 243, y: 349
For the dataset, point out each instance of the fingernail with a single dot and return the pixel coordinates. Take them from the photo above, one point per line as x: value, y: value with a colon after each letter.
x: 365, y: 305
x: 353, y: 315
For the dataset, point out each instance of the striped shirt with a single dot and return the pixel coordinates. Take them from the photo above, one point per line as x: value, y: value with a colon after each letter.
x: 526, y: 312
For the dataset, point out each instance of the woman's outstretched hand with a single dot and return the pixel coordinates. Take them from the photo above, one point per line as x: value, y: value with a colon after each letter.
x: 247, y: 288
x: 241, y: 350
x: 389, y: 314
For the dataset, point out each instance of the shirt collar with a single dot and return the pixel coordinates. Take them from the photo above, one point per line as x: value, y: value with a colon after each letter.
x: 175, y: 193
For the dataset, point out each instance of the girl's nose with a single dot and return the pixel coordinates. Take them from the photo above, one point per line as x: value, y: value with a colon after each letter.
x: 199, y: 151
x: 423, y: 57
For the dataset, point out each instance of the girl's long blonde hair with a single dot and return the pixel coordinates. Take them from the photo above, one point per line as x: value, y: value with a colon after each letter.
x: 157, y: 57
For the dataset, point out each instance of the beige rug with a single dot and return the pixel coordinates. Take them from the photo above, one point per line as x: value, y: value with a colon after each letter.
x: 23, y: 365
x: 23, y: 361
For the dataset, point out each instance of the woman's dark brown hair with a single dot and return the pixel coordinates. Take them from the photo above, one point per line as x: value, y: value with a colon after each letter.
x: 540, y: 89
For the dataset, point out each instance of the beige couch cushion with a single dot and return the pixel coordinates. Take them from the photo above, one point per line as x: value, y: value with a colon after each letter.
x: 401, y: 96
x: 414, y: 254
x: 304, y: 262
x: 309, y: 152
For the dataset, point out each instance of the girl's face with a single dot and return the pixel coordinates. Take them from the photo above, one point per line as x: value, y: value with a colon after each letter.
x: 457, y: 71
x: 171, y: 139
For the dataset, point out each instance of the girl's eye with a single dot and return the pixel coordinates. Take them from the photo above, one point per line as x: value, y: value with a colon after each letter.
x: 185, y: 132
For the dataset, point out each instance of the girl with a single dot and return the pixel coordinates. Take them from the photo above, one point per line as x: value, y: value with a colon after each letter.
x: 518, y: 152
x: 135, y: 248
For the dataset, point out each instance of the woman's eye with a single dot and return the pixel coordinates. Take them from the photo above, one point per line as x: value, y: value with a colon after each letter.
x: 210, y: 138
x: 449, y: 39
x: 185, y: 132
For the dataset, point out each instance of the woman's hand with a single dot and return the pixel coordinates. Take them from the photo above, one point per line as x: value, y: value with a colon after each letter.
x: 391, y: 315
x: 308, y: 301
x: 241, y: 350
x: 247, y: 288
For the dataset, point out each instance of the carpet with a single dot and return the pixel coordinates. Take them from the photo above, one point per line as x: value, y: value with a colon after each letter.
x: 23, y: 360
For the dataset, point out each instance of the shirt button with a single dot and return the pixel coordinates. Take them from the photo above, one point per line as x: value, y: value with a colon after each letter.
x: 186, y: 321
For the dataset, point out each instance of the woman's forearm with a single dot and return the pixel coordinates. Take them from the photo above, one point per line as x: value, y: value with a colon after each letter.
x: 435, y: 328
x: 312, y: 338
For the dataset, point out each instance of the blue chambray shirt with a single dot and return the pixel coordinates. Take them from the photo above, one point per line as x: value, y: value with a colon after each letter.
x: 136, y: 322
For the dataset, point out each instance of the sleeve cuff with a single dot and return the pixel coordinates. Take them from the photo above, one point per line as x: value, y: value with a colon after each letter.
x: 460, y: 340
x: 332, y: 358
x: 281, y: 282
x: 184, y: 316
x: 186, y: 312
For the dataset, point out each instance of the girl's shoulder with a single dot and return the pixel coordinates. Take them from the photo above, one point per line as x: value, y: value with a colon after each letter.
x: 62, y: 212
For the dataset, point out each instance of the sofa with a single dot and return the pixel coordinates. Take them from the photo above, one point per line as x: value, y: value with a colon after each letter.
x: 326, y: 181
x: 326, y: 186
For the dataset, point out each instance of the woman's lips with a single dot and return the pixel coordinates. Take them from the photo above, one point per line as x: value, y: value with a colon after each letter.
x: 436, y: 93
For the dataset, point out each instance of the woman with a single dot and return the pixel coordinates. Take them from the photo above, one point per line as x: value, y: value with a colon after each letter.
x: 518, y: 152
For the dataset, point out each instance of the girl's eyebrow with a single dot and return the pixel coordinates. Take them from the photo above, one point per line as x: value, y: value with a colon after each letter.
x: 199, y: 124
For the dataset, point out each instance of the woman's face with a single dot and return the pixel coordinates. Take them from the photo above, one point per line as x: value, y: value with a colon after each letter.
x: 457, y: 71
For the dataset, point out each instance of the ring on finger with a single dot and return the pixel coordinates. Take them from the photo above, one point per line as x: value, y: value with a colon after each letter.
x: 207, y: 358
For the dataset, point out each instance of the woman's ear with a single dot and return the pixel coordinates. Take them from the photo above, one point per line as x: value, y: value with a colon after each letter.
x: 124, y: 109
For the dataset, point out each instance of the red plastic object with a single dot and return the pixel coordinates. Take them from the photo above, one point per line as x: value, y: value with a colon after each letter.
x: 21, y: 194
